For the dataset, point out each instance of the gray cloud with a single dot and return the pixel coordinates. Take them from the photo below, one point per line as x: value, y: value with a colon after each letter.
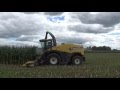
x: 77, y: 40
x: 83, y: 28
x: 107, y: 19
x: 16, y: 24
x: 53, y: 13
x: 27, y: 38
x: 26, y: 28
x: 18, y: 43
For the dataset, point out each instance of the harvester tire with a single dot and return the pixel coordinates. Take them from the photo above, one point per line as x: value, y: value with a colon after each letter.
x: 53, y: 59
x: 77, y: 60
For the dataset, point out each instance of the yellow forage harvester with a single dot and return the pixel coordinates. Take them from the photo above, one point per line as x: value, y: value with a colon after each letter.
x: 53, y: 54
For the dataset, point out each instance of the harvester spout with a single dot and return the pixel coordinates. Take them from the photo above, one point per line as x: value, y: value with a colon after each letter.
x: 53, y: 37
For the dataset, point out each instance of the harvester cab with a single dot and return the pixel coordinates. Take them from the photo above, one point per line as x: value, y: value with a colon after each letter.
x: 48, y: 43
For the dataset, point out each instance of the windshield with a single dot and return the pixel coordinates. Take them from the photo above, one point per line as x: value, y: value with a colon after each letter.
x: 46, y: 44
x: 42, y: 44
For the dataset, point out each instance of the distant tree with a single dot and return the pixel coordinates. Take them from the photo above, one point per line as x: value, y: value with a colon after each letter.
x: 94, y: 48
x: 115, y: 50
x: 105, y: 48
x: 89, y: 48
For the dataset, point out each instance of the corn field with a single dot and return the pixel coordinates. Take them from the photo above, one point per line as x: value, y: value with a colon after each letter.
x: 16, y: 55
x: 97, y: 65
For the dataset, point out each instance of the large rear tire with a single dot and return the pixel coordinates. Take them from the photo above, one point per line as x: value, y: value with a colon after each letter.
x: 53, y: 59
x: 77, y: 60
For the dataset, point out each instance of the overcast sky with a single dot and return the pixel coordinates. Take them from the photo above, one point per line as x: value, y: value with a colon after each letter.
x: 87, y: 28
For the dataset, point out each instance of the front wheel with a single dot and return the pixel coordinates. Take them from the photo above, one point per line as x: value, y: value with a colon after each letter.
x: 53, y: 59
x: 77, y: 60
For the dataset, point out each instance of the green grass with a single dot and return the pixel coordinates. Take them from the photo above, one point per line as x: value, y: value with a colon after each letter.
x: 97, y: 65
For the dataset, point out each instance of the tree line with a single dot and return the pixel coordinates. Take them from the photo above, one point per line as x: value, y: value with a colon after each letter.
x: 101, y: 49
x: 106, y: 48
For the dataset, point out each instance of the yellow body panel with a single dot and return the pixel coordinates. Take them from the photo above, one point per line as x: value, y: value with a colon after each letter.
x: 69, y: 48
